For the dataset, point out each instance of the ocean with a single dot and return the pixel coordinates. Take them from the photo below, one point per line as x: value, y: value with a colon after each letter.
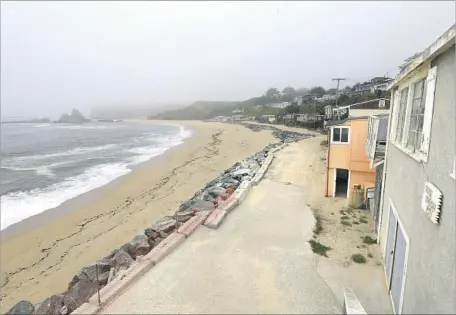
x: 43, y: 165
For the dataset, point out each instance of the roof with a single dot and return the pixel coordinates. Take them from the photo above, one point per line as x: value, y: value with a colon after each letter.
x: 441, y: 44
x: 343, y: 121
x: 371, y: 104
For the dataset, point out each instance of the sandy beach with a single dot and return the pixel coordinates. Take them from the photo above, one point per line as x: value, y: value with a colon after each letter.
x: 48, y: 250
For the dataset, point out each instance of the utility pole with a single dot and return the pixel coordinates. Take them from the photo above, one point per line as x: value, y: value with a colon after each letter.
x: 337, y: 89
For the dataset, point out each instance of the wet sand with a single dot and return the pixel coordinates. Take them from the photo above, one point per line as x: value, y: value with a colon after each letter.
x: 40, y: 256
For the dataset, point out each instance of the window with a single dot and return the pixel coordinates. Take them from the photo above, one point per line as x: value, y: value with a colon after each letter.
x: 412, y: 132
x: 415, y: 132
x: 340, y: 134
x: 401, y: 115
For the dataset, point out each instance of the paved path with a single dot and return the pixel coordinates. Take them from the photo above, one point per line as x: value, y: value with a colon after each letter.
x: 258, y: 261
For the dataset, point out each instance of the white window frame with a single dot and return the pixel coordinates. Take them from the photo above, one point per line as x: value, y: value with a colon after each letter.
x: 420, y: 154
x: 340, y: 142
x: 398, y: 98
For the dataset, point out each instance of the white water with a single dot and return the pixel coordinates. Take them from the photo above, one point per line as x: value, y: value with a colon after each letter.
x: 17, y: 206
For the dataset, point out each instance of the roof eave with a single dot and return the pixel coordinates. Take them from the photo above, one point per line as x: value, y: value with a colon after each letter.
x: 445, y: 41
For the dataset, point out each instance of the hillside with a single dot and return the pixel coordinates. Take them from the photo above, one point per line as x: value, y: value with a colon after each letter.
x: 202, y: 110
x: 197, y: 110
x: 209, y: 109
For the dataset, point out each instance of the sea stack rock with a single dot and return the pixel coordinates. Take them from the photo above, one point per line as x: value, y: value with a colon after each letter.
x: 75, y: 117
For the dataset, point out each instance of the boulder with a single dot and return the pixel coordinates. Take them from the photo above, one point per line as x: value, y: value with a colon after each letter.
x: 127, y: 247
x: 165, y: 224
x: 52, y: 305
x: 21, y: 308
x: 207, y: 197
x: 140, y: 246
x: 122, y: 260
x: 64, y: 310
x: 239, y: 173
x: 246, y: 178
x: 73, y: 281
x: 184, y: 216
x: 202, y: 205
x: 79, y: 294
x: 90, y: 271
x: 150, y: 233
x: 215, y: 191
x: 186, y: 204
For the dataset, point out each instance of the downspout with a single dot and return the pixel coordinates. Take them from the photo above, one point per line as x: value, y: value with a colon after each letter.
x: 385, y: 166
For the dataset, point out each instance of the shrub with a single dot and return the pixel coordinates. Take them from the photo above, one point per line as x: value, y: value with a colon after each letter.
x: 369, y: 240
x: 318, y: 225
x: 344, y: 222
x: 358, y: 258
x: 319, y: 248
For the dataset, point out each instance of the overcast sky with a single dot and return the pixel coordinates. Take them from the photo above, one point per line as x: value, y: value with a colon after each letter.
x: 60, y: 55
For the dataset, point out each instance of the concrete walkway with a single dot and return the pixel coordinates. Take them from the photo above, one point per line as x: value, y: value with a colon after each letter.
x: 258, y: 261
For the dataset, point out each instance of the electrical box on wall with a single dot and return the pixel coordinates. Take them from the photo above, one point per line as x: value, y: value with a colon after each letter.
x: 431, y: 202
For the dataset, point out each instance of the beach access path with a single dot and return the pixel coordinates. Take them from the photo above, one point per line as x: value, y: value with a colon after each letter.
x: 259, y: 259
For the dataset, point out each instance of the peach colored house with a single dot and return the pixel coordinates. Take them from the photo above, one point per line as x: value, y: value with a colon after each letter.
x: 347, y: 163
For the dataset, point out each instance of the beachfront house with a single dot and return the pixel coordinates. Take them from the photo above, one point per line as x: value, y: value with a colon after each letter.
x: 417, y: 219
x: 347, y: 163
x: 239, y: 117
x: 268, y: 118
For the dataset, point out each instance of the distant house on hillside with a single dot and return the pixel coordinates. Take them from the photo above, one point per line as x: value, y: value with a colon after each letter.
x: 308, y: 98
x: 222, y: 118
x: 298, y: 100
x: 325, y: 98
x: 278, y: 105
x: 238, y: 111
x: 371, y: 86
x: 268, y: 118
x: 239, y: 117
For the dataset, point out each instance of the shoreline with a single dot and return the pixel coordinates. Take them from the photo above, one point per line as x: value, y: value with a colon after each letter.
x: 86, y: 198
x: 41, y: 260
